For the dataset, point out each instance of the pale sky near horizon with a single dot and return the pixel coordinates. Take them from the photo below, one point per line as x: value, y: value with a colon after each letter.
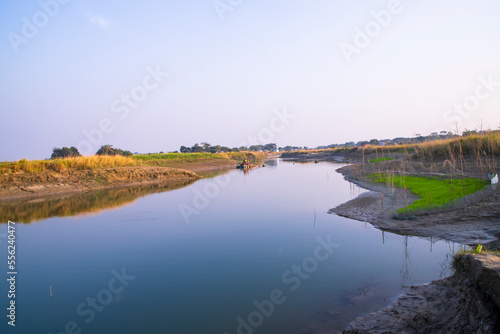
x: 66, y: 67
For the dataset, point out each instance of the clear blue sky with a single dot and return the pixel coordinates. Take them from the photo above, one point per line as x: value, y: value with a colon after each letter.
x: 227, y: 77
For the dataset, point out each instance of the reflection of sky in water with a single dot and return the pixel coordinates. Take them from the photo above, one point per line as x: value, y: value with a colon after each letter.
x: 200, y: 277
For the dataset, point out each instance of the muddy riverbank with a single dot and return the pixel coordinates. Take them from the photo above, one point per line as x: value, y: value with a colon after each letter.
x: 473, y: 220
x: 23, y: 185
x: 467, y: 302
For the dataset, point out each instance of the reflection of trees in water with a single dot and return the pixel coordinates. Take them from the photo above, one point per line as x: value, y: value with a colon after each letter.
x: 272, y: 162
x: 30, y: 210
x: 405, y: 269
x: 354, y: 189
x: 447, y: 264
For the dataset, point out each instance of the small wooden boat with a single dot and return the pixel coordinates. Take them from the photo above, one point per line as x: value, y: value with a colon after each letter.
x: 245, y: 166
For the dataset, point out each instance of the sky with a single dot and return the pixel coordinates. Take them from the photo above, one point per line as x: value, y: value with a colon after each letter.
x: 150, y: 76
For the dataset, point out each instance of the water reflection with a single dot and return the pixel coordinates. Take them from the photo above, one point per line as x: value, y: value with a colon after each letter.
x: 272, y: 162
x: 372, y: 294
x: 405, y: 270
x: 200, y: 278
x: 213, y: 173
x: 30, y: 210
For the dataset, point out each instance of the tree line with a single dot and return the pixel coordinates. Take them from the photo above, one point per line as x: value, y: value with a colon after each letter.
x: 71, y: 152
x: 207, y: 148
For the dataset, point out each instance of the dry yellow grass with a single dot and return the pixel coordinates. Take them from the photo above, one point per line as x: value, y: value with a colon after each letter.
x: 105, y: 161
x: 58, y: 165
x: 488, y: 143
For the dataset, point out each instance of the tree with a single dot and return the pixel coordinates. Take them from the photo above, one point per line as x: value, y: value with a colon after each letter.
x: 271, y: 147
x: 65, y: 152
x: 215, y: 149
x: 196, y: 148
x: 205, y: 146
x: 185, y: 149
x: 467, y: 133
x: 110, y: 150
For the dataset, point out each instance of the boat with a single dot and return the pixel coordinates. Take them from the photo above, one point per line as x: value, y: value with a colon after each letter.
x: 245, y: 165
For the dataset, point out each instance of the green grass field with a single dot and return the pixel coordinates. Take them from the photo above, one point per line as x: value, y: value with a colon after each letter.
x: 180, y: 158
x: 380, y: 159
x: 433, y: 192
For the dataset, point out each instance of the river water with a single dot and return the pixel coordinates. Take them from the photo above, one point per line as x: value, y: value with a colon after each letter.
x: 239, y: 252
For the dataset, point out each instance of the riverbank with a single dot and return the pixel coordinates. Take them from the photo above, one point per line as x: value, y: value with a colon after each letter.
x: 472, y: 220
x: 466, y: 302
x: 30, y: 179
x: 23, y: 185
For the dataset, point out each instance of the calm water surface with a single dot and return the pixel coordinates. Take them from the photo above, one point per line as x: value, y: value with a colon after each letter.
x: 206, y: 257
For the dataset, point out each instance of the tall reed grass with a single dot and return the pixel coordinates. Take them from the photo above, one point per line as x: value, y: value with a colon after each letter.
x: 487, y: 144
x: 105, y: 161
x: 58, y: 165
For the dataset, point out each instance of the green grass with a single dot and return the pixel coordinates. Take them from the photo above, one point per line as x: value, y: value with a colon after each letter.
x: 380, y: 159
x: 478, y: 250
x: 179, y: 158
x: 433, y: 192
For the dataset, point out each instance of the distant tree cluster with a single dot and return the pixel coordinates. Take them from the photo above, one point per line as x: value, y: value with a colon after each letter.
x: 292, y: 148
x: 400, y: 140
x: 264, y: 148
x: 110, y: 150
x: 207, y: 148
x: 65, y: 152
x: 72, y: 151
